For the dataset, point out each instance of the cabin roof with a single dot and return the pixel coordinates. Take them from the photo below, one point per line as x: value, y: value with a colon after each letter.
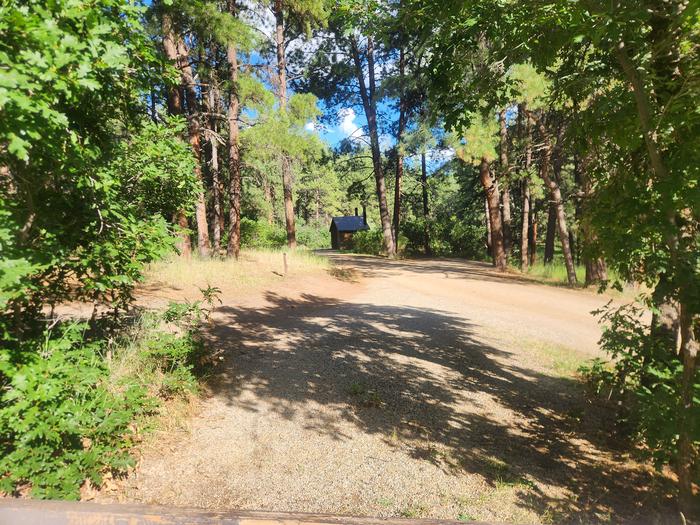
x: 351, y: 223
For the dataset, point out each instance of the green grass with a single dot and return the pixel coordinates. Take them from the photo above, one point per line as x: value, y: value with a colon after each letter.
x: 555, y: 272
x: 562, y: 360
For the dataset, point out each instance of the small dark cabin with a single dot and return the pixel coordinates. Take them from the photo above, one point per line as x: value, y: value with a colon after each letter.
x: 343, y: 228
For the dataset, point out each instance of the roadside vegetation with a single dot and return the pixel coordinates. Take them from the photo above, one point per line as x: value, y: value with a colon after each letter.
x: 177, y: 143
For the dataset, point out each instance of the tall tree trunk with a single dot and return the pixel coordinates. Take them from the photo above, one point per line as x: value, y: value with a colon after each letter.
x: 555, y: 196
x: 369, y: 103
x: 217, y: 216
x: 551, y: 233
x: 399, y: 150
x: 667, y: 45
x: 285, y: 161
x: 505, y: 183
x: 686, y: 455
x: 234, y: 156
x: 426, y: 210
x: 596, y: 270
x: 194, y: 129
x: 533, y: 233
x: 489, y: 240
x: 527, y: 219
x: 493, y: 200
x: 525, y: 229
x: 526, y: 226
x: 175, y: 108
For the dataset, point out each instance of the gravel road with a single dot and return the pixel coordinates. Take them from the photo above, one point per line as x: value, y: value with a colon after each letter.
x: 425, y: 388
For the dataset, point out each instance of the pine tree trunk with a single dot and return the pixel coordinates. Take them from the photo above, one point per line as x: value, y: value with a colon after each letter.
x: 489, y: 240
x: 184, y: 247
x: 194, y: 131
x: 288, y: 202
x: 217, y: 216
x: 493, y: 200
x: 504, y: 183
x: 369, y: 103
x: 285, y: 161
x: 556, y: 199
x: 687, y: 458
x: 533, y: 232
x: 596, y: 270
x: 234, y: 160
x: 551, y: 233
x: 399, y: 152
x: 426, y: 210
x: 525, y: 230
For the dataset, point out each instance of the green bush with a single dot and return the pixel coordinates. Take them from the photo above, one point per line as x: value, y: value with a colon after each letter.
x: 314, y: 235
x: 643, y: 382
x: 261, y: 234
x: 368, y: 241
x: 66, y: 417
x: 59, y: 422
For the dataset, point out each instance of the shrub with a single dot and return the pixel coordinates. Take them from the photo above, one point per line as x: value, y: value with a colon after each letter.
x: 643, y: 381
x: 313, y: 235
x: 66, y: 416
x: 261, y: 234
x: 59, y: 423
x: 368, y: 241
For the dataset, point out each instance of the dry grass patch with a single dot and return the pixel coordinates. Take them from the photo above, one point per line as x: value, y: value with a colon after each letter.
x: 178, y: 277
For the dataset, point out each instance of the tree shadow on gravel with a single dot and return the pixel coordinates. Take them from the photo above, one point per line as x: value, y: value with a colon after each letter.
x: 416, y: 378
x: 451, y: 268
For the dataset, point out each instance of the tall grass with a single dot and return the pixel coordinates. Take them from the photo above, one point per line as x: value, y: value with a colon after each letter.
x: 555, y: 272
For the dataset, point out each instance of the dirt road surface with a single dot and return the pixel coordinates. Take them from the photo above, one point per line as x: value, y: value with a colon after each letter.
x: 429, y: 388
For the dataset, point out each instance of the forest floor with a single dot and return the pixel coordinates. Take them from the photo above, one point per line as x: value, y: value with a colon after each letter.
x: 415, y: 388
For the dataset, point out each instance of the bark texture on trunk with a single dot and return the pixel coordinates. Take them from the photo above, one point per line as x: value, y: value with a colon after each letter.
x: 426, y: 209
x: 551, y: 233
x: 596, y: 269
x: 527, y: 219
x: 234, y: 156
x: 533, y: 233
x: 194, y: 130
x: 285, y: 161
x: 487, y: 220
x: 504, y: 183
x: 493, y: 203
x: 550, y: 181
x: 183, y: 245
x: 288, y: 202
x: 399, y: 152
x: 525, y: 229
x: 686, y: 454
x: 217, y: 190
x: 369, y: 103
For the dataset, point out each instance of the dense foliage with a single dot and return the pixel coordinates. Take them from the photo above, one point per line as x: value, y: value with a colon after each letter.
x: 88, y: 191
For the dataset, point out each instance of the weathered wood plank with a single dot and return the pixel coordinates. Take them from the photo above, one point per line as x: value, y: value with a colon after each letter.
x: 36, y: 512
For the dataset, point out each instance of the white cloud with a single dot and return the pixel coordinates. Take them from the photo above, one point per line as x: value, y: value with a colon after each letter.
x: 260, y: 18
x: 310, y: 126
x: 385, y: 142
x: 348, y: 125
x: 441, y: 154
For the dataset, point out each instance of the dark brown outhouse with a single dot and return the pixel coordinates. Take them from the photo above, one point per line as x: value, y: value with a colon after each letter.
x: 343, y: 228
